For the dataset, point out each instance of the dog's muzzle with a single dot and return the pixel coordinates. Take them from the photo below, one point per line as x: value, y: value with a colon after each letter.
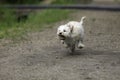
x: 61, y: 37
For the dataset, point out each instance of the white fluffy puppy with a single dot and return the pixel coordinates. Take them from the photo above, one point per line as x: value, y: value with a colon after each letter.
x: 72, y: 34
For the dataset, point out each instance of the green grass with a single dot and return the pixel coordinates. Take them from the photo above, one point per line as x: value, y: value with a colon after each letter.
x: 36, y: 22
x: 64, y: 2
x: 71, y: 1
x: 48, y: 16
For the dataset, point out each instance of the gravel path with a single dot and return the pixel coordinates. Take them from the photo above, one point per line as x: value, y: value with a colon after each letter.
x: 43, y: 57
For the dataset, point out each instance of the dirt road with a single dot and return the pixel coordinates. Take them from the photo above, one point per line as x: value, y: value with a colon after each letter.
x: 43, y: 57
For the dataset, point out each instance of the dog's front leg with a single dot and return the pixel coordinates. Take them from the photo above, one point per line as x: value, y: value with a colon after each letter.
x: 63, y: 42
x: 71, y: 48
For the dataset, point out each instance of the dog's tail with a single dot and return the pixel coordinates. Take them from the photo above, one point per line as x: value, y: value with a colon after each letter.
x: 82, y: 19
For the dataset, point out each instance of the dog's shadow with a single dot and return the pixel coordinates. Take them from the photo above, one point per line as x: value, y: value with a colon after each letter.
x: 79, y: 52
x: 88, y: 51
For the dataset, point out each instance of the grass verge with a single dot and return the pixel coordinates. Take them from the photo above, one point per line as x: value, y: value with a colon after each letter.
x: 35, y: 22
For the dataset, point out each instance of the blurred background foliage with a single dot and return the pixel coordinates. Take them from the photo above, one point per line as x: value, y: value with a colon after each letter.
x: 15, y: 22
x: 37, y: 1
x: 9, y: 15
x: 20, y: 1
x: 71, y: 1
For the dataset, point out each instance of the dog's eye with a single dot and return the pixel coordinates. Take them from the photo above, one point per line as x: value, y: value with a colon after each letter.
x: 64, y: 30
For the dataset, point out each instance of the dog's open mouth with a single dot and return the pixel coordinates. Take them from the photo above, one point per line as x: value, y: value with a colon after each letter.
x: 62, y: 37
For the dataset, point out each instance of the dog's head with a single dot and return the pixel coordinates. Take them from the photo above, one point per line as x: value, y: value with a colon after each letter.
x: 64, y: 31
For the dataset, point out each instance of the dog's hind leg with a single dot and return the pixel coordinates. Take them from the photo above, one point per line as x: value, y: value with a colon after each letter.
x: 80, y: 44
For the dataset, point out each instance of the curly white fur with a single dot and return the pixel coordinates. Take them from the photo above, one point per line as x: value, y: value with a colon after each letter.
x: 72, y: 34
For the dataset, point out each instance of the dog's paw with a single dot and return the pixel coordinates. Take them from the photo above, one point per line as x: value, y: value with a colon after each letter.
x: 80, y: 46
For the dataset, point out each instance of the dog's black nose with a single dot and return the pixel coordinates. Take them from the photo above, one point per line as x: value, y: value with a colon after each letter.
x: 60, y: 33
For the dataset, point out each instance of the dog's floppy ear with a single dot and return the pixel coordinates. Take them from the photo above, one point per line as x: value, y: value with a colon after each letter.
x: 71, y: 28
